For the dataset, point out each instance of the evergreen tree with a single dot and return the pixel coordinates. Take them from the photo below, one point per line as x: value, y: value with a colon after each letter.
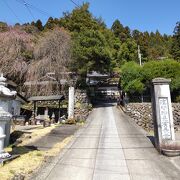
x: 91, y: 52
x: 39, y: 25
x: 154, y: 46
x: 123, y: 33
x: 128, y: 52
x: 32, y: 23
x: 176, y: 42
x: 3, y: 27
x: 80, y: 19
x: 51, y: 24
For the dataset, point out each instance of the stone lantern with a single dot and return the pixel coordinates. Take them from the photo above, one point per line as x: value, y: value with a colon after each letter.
x: 5, y: 117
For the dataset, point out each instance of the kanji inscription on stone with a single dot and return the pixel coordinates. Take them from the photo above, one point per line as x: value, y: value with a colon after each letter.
x: 165, y: 120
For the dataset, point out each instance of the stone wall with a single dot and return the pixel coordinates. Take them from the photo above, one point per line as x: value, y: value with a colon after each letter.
x: 82, y: 107
x: 141, y: 113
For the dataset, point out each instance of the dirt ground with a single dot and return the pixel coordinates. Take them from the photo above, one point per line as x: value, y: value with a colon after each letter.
x: 36, y: 146
x: 41, y: 138
x: 56, y: 135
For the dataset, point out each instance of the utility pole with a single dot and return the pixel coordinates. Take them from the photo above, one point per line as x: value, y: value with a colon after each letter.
x: 139, y: 56
x: 140, y: 63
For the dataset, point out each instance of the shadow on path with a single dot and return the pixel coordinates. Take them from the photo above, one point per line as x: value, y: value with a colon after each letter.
x: 152, y: 139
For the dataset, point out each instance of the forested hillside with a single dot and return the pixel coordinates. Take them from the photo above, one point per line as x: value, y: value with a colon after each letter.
x: 79, y: 42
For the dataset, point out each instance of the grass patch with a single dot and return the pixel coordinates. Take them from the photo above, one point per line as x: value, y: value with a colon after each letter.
x: 25, y: 164
x: 151, y: 133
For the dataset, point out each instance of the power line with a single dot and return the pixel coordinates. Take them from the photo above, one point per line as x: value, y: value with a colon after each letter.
x: 12, y: 11
x: 39, y: 10
x: 28, y: 5
x: 75, y: 3
x: 28, y: 9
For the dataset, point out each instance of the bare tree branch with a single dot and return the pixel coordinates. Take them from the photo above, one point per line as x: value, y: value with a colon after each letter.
x: 52, y: 55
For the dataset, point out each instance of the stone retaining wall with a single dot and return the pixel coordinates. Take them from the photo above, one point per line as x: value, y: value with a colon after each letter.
x: 82, y: 106
x: 141, y: 113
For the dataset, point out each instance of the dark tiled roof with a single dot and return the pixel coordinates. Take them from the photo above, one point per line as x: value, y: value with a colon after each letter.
x: 46, y: 98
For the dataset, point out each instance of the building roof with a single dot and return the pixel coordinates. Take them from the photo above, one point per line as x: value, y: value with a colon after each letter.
x: 46, y: 98
x: 21, y: 98
x: 31, y: 83
x: 11, y: 83
x: 97, y: 74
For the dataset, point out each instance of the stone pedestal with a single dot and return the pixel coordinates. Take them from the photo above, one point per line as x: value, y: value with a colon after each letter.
x: 71, y: 103
x: 7, y: 132
x: 2, y: 136
x: 4, y: 120
x: 162, y: 112
x: 5, y: 104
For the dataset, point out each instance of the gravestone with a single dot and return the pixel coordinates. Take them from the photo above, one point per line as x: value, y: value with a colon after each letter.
x: 162, y: 112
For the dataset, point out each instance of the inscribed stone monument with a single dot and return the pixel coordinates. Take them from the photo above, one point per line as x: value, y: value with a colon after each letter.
x: 162, y: 112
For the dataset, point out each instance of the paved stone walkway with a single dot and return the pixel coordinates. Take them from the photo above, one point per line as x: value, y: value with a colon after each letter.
x: 111, y: 147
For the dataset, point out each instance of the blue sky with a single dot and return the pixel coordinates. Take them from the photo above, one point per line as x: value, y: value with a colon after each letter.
x: 143, y: 15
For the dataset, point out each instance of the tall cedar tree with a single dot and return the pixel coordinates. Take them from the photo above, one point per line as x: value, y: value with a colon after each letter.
x: 176, y: 42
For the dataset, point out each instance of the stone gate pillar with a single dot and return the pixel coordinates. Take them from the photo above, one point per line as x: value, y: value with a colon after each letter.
x: 71, y: 103
x: 162, y: 112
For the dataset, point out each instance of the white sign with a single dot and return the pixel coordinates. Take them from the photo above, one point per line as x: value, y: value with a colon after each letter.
x: 165, y: 120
